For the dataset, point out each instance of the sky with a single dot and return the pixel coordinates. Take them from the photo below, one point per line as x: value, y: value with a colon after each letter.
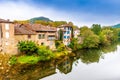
x: 80, y: 12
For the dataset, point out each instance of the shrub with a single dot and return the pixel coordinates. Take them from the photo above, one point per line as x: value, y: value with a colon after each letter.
x: 27, y: 47
x: 60, y: 46
x: 45, y: 53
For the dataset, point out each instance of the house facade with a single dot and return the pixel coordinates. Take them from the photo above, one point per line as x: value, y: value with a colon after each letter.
x: 11, y: 33
x: 42, y: 35
x: 7, y: 38
x: 66, y: 33
x: 46, y: 35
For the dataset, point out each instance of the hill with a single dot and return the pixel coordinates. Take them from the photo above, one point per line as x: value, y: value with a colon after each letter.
x: 116, y: 26
x: 32, y: 20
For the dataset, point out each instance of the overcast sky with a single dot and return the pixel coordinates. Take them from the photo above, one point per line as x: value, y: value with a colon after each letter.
x: 80, y: 12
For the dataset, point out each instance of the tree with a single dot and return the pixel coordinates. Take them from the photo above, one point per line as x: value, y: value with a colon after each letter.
x: 60, y: 32
x: 74, y: 45
x: 96, y: 28
x: 90, y: 40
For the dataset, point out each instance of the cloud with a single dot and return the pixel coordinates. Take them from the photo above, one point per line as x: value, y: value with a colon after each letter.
x: 22, y: 10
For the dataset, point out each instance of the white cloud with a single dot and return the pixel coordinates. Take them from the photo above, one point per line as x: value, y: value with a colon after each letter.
x: 21, y: 11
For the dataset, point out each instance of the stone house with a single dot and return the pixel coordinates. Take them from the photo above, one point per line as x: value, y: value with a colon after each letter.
x: 7, y: 37
x: 42, y: 35
x: 11, y: 33
x: 67, y: 33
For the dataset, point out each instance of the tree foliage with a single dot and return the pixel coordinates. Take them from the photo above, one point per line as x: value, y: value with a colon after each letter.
x: 45, y: 53
x: 90, y: 40
x: 74, y: 45
x: 60, y: 46
x: 96, y: 28
x: 27, y: 47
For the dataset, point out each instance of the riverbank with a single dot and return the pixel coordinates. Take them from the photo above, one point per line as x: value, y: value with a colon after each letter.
x: 33, y: 59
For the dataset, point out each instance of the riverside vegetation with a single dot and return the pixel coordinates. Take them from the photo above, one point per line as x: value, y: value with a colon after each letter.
x: 94, y: 37
x: 32, y: 53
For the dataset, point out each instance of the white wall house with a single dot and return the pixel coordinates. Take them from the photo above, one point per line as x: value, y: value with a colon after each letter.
x: 67, y: 33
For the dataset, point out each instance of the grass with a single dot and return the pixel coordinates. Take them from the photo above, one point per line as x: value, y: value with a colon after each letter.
x: 28, y: 59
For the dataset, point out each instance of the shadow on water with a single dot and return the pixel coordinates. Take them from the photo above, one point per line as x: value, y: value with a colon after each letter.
x: 44, y: 69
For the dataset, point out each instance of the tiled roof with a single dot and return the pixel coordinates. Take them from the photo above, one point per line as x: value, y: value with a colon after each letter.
x: 32, y: 28
x: 39, y: 27
x: 5, y: 21
x: 21, y: 29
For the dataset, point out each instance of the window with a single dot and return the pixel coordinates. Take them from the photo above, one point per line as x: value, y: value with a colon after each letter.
x: 7, y: 26
x: 68, y: 32
x: 69, y: 28
x: 51, y: 37
x: 7, y: 35
x: 68, y: 37
x: 41, y: 36
x: 29, y: 36
x: 65, y: 37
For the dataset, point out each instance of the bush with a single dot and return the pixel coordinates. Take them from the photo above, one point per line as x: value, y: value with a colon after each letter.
x: 60, y: 46
x: 45, y: 53
x: 27, y: 47
x: 74, y: 45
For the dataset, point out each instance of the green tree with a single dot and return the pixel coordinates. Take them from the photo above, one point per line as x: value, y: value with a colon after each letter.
x: 60, y: 32
x: 74, y: 45
x: 27, y: 47
x: 90, y: 40
x: 96, y: 28
x: 106, y: 37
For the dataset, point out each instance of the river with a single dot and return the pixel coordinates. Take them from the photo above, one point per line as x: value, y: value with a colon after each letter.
x: 92, y: 64
x: 101, y: 64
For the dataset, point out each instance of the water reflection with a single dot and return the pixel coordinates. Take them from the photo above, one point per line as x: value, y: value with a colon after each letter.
x: 90, y: 56
x: 32, y: 72
x: 94, y: 55
x: 65, y: 66
x: 45, y: 69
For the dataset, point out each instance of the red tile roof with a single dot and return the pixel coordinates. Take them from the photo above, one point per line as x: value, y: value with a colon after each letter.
x: 21, y: 29
x: 32, y: 28
x: 39, y: 27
